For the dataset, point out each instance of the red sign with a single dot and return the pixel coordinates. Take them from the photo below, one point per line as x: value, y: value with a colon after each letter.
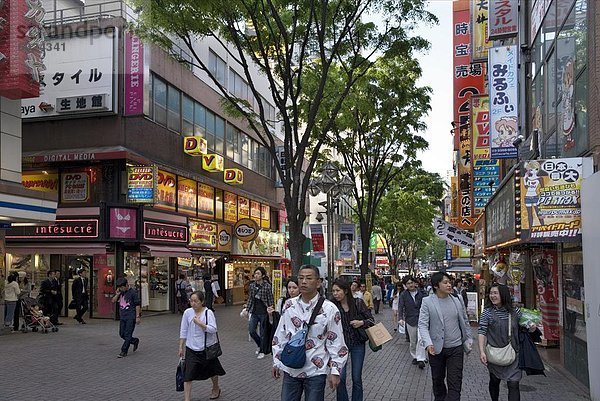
x: 545, y: 267
x: 165, y: 232
x: 61, y: 229
x: 21, y: 45
x: 123, y: 223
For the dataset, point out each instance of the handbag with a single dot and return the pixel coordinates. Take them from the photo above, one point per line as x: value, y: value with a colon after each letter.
x: 212, y: 351
x: 502, y: 356
x: 179, y: 375
x: 294, y: 352
x: 378, y: 334
x: 73, y: 304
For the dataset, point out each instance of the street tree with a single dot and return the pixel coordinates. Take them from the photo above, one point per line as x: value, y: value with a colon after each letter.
x: 310, y: 52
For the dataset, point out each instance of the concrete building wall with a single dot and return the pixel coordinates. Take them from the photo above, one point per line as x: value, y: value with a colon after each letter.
x: 593, y: 78
x: 10, y: 140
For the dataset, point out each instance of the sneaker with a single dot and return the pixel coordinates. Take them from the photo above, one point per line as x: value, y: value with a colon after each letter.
x: 260, y: 355
x: 122, y: 355
x: 135, y: 346
x: 257, y: 351
x: 421, y: 364
x: 414, y: 361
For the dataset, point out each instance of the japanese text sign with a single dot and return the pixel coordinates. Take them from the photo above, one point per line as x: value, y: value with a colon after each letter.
x: 503, y: 19
x: 452, y: 234
x: 141, y: 184
x: 479, y: 34
x: 500, y: 221
x: 166, y: 190
x: 503, y: 84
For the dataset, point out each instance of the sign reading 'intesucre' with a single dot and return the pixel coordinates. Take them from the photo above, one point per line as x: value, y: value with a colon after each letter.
x: 60, y: 229
x: 165, y: 232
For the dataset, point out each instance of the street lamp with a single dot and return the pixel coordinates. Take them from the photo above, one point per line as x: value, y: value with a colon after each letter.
x: 327, y: 180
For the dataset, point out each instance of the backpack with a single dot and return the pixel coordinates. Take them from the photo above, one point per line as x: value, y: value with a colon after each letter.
x: 294, y: 352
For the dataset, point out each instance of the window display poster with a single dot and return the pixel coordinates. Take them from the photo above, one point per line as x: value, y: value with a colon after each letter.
x: 230, y: 207
x: 186, y: 195
x: 243, y: 208
x: 166, y: 190
x: 203, y: 234
x: 255, y: 211
x: 75, y: 186
x: 265, y: 216
x: 206, y: 201
x: 346, y: 252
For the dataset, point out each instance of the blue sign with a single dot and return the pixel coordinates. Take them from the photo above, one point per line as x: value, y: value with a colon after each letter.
x: 448, y: 253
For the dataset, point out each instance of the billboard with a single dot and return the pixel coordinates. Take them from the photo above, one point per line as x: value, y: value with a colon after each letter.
x: 479, y: 34
x: 134, y: 75
x: 503, y: 19
x: 141, y: 184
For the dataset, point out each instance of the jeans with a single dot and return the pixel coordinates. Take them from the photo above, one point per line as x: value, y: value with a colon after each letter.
x: 313, y: 388
x: 357, y: 356
x: 10, y: 312
x: 448, y: 363
x: 513, y: 389
x: 126, y: 328
x: 255, y: 320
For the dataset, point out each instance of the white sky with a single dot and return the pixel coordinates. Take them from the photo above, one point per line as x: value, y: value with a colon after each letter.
x: 437, y: 73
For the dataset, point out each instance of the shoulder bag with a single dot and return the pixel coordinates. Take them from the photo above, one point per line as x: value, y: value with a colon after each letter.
x: 502, y: 356
x: 294, y: 352
x: 212, y: 351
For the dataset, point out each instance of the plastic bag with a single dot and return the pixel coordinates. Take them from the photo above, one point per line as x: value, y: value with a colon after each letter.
x: 401, y: 329
x: 529, y: 317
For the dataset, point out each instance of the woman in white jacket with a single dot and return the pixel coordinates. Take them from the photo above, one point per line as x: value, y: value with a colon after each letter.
x: 11, y: 296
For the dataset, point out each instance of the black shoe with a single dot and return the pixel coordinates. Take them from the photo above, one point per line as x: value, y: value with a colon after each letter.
x: 135, y: 346
x: 421, y: 364
x: 82, y: 321
x: 122, y: 355
x: 76, y: 318
x: 414, y: 361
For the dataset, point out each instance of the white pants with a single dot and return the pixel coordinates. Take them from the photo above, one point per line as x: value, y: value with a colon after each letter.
x: 417, y: 350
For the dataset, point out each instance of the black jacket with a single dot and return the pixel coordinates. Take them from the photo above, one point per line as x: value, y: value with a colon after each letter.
x: 529, y: 357
x: 408, y: 308
x: 77, y: 289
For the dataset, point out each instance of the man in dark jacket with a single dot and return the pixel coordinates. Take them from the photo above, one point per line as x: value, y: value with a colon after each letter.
x: 461, y: 291
x: 80, y: 293
x: 129, y: 315
x: 48, y: 295
x: 409, y: 305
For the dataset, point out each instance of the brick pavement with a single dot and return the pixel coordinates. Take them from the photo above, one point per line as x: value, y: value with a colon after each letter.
x: 79, y: 363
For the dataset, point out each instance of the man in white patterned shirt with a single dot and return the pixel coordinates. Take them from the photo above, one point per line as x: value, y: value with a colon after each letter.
x: 326, y: 351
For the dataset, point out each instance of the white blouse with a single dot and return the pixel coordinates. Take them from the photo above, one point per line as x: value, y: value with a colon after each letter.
x: 194, y: 334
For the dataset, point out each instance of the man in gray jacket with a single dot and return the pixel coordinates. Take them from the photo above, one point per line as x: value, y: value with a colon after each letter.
x: 444, y: 328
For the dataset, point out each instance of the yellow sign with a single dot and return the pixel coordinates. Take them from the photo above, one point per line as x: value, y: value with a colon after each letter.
x: 480, y: 116
x: 194, y: 145
x: 246, y: 230
x: 166, y: 191
x: 479, y: 22
x: 213, y: 162
x: 255, y: 211
x: 40, y: 182
x: 243, y: 207
x: 277, y: 284
x: 233, y: 176
x: 230, y: 207
x: 265, y: 216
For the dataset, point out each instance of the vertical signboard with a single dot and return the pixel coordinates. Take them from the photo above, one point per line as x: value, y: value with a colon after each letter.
x: 243, y: 208
x: 347, y: 243
x: 255, y: 211
x: 503, y: 85
x: 503, y: 19
x: 230, y: 207
x: 265, y: 216
x: 141, y: 184
x: 318, y: 240
x: 479, y: 22
x: 134, y: 75
x: 166, y: 191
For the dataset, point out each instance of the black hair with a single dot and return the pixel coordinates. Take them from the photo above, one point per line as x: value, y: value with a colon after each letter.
x: 11, y: 277
x: 314, y: 268
x: 406, y: 279
x: 263, y: 271
x: 49, y: 272
x: 505, y: 297
x: 293, y: 279
x: 182, y: 276
x: 199, y: 295
x: 436, y: 279
x: 344, y: 285
x: 458, y: 280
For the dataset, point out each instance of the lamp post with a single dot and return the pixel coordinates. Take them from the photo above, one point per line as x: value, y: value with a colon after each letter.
x: 328, y: 181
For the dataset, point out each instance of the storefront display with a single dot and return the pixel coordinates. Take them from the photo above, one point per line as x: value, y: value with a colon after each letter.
x: 574, y: 294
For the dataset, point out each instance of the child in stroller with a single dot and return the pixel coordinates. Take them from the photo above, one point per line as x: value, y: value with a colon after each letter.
x: 33, y: 317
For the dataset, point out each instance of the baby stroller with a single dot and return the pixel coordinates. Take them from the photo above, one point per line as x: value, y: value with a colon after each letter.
x: 32, y: 320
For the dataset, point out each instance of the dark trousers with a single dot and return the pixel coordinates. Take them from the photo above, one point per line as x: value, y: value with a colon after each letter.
x: 376, y: 303
x: 447, y: 367
x: 82, y: 307
x: 126, y: 328
x: 513, y: 389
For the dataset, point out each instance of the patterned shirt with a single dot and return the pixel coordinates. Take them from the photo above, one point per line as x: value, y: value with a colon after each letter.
x: 326, y: 351
x: 264, y: 292
x: 487, y: 316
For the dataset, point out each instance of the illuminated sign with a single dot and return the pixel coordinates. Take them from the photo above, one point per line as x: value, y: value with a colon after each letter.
x: 194, y: 145
x: 165, y: 232
x: 246, y: 230
x: 233, y: 176
x: 203, y: 234
x: 40, y: 182
x: 61, y: 229
x: 141, y: 184
x: 213, y: 162
x: 75, y: 187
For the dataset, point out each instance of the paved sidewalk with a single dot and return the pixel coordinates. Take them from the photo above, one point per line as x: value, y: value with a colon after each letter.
x: 79, y: 363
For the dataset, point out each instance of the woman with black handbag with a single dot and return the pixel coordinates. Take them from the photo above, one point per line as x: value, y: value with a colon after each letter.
x: 356, y: 317
x: 499, y: 342
x: 198, y: 334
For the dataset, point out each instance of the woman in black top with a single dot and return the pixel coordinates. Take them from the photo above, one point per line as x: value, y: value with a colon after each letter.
x: 355, y: 318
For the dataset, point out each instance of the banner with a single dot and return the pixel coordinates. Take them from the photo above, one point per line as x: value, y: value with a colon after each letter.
x: 39, y: 181
x: 255, y: 211
x: 551, y: 199
x: 504, y: 102
x: 277, y: 281
x: 347, y: 242
x: 318, y: 240
x: 503, y: 19
x: 134, y: 75
x: 206, y: 201
x: 452, y: 234
x: 479, y: 22
x: 230, y: 207
x: 545, y: 268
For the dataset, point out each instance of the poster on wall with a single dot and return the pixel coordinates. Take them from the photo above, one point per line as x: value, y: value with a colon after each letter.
x: 206, y: 201
x: 318, y: 240
x: 166, y: 190
x: 243, y: 208
x: 141, y: 184
x: 347, y: 234
x: 545, y: 268
x: 479, y: 22
x: 265, y: 216
x: 255, y: 211
x: 186, y: 195
x: 75, y: 186
x: 551, y: 198
x: 230, y: 207
x: 504, y: 102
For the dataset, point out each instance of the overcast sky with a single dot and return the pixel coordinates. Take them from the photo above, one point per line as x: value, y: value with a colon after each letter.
x: 437, y: 73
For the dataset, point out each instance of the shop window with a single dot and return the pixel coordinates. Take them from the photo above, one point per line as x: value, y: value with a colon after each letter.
x: 574, y: 142
x: 219, y: 135
x: 231, y: 140
x: 199, y: 120
x: 210, y: 130
x: 244, y: 142
x: 573, y: 290
x: 188, y: 116
x: 174, y: 109
x: 160, y: 101
x: 218, y: 204
x: 156, y: 272
x: 216, y: 66
x: 34, y: 268
x: 580, y: 32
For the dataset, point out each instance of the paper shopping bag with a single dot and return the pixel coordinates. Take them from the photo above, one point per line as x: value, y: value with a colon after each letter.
x: 378, y: 334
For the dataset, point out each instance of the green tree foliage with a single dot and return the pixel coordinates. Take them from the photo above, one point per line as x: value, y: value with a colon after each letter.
x: 311, y: 52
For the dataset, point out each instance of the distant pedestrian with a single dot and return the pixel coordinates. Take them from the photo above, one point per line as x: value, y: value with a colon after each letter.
x: 326, y: 351
x: 444, y: 328
x: 80, y: 293
x: 182, y: 291
x: 398, y: 288
x: 208, y: 293
x: 461, y: 291
x: 377, y: 294
x: 260, y: 298
x: 355, y: 288
x: 355, y: 318
x: 129, y: 315
x: 367, y: 296
x: 198, y: 330
x: 59, y: 298
x: 409, y: 305
x: 389, y: 291
x: 11, y: 296
x: 494, y: 330
x: 48, y: 296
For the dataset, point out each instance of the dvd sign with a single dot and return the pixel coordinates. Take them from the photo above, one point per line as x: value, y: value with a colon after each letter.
x: 246, y: 230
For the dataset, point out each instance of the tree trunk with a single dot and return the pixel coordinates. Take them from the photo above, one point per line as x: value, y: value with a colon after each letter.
x: 364, y: 262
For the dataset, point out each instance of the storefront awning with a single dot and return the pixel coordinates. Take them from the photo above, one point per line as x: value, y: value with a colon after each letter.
x: 76, y: 248
x: 258, y: 257
x: 460, y: 269
x: 166, y: 251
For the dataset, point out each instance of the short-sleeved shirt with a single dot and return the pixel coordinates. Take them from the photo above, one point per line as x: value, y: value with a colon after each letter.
x: 127, y: 303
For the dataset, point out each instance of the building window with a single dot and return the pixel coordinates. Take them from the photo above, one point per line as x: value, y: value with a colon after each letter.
x: 216, y: 66
x: 219, y: 135
x: 231, y: 141
x: 244, y: 145
x: 210, y: 129
x: 174, y: 109
x: 199, y: 120
x: 160, y: 101
x: 188, y: 116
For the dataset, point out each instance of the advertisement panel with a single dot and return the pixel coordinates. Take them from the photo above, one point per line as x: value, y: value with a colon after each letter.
x: 166, y: 190
x: 243, y: 208
x: 504, y: 102
x: 230, y: 207
x: 75, y: 187
x: 347, y: 234
x: 203, y: 234
x: 206, y: 201
x: 255, y: 211
x: 451, y: 234
x: 503, y: 19
x: 141, y: 184
x: 134, y: 75
x: 187, y: 196
x: 479, y: 22
x: 123, y: 223
x: 500, y: 219
x: 224, y: 243
x: 78, y: 68
x: 551, y: 199
x: 267, y: 243
x: 265, y: 216
x: 39, y: 181
x: 545, y: 268
x: 318, y: 240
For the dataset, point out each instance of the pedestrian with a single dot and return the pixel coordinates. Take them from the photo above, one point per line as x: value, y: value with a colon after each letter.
x: 409, y: 305
x: 377, y: 294
x: 444, y: 328
x: 389, y: 291
x: 208, y: 293
x: 461, y: 291
x: 129, y: 315
x: 48, y: 293
x: 494, y: 330
x: 355, y: 288
x: 398, y: 288
x: 292, y: 291
x: 11, y: 297
x: 325, y: 348
x: 198, y: 330
x: 58, y: 298
x: 367, y: 296
x: 182, y: 289
x: 215, y: 288
x: 355, y: 318
x: 80, y: 293
x: 260, y: 298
